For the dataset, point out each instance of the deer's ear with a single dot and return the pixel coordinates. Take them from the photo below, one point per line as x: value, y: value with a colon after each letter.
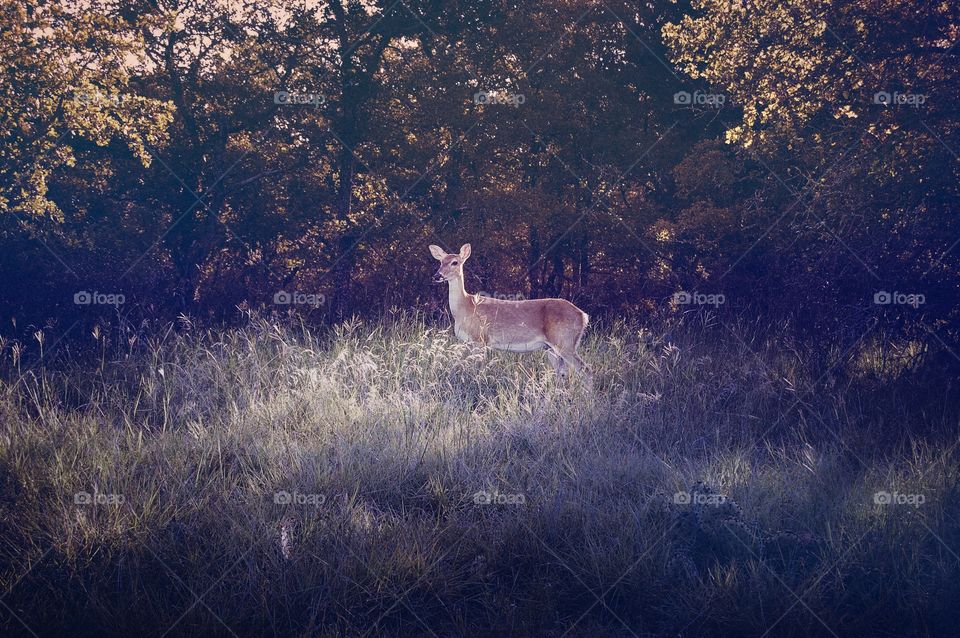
x: 464, y: 252
x: 437, y: 252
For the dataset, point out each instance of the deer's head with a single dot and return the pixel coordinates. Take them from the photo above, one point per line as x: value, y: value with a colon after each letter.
x: 451, y: 264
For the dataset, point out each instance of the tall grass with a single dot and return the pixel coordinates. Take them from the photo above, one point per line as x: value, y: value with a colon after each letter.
x: 385, y: 480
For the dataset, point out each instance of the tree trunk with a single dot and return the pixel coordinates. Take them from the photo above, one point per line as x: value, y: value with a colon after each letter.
x: 584, y: 266
x: 533, y: 262
x: 342, y: 298
x: 555, y: 280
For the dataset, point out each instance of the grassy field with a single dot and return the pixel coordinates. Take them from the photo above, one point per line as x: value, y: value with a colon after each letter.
x: 384, y: 480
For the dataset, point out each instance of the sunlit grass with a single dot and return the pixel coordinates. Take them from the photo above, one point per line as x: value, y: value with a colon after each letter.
x: 327, y: 483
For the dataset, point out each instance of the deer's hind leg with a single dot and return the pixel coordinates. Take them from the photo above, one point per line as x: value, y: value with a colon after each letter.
x: 569, y: 357
x: 559, y: 366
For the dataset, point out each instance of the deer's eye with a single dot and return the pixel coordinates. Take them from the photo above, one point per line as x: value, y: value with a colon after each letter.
x: 453, y: 263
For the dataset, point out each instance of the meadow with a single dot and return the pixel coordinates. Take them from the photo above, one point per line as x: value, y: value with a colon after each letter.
x: 382, y: 479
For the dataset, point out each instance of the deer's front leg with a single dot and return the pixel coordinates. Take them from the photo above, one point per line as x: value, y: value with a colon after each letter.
x: 462, y: 333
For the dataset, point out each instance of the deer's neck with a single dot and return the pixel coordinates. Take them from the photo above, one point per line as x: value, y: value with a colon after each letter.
x: 460, y: 302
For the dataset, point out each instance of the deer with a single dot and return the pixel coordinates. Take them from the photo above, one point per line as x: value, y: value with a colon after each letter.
x: 527, y: 325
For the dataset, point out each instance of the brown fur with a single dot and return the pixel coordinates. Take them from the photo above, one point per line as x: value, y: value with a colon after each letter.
x: 519, y: 326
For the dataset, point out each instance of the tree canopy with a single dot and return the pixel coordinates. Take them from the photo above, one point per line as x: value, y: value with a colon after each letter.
x: 798, y: 157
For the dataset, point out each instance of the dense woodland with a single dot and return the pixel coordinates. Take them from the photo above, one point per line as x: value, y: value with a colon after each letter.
x: 197, y: 157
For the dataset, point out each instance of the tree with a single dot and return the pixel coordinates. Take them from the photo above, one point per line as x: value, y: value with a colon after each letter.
x: 66, y: 77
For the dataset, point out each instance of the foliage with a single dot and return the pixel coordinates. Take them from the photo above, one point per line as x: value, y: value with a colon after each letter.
x: 552, y: 136
x: 67, y: 80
